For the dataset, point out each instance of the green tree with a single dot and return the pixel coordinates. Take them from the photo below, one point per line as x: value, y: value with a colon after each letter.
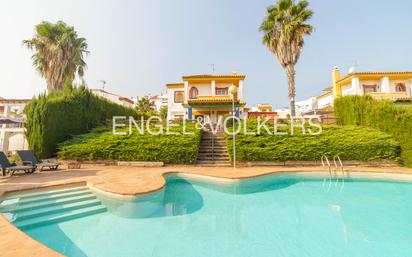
x: 284, y: 28
x: 163, y: 112
x: 58, y: 53
x: 144, y: 105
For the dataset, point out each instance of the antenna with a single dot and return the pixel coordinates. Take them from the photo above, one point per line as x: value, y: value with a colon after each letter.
x: 103, y: 83
x: 213, y: 68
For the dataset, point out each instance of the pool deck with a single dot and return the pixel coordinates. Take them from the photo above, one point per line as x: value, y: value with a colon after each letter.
x: 124, y: 180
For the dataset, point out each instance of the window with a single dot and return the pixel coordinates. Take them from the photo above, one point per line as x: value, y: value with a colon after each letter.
x: 193, y: 93
x: 370, y: 89
x: 179, y: 96
x: 221, y: 91
x: 400, y: 87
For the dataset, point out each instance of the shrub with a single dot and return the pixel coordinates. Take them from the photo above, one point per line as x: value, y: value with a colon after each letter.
x: 380, y: 114
x: 350, y: 143
x: 102, y: 144
x: 56, y: 117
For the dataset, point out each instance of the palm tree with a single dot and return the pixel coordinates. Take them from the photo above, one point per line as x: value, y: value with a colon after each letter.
x: 284, y: 29
x: 58, y: 53
x: 144, y: 105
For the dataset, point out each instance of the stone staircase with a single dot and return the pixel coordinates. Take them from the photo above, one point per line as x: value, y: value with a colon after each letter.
x: 212, y: 150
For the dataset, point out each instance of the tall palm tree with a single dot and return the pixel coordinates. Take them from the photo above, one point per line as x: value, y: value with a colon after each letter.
x: 284, y: 28
x: 58, y: 53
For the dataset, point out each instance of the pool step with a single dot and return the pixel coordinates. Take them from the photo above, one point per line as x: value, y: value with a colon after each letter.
x: 54, y: 202
x: 29, y: 214
x: 36, y: 209
x: 65, y: 216
x: 17, y: 202
x: 44, y: 193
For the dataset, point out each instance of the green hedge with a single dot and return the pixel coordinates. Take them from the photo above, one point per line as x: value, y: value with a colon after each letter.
x: 350, y: 143
x: 104, y: 145
x: 380, y: 114
x: 55, y: 117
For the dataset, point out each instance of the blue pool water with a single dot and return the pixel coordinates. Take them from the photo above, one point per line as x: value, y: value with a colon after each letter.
x: 283, y: 215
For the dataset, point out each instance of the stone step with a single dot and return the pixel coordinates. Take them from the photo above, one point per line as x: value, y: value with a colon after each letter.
x: 218, y: 147
x: 215, y: 155
x: 210, y: 156
x: 214, y: 165
x: 203, y: 154
x: 212, y: 162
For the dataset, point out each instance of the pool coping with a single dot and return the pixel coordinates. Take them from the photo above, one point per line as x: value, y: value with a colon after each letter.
x: 14, y: 242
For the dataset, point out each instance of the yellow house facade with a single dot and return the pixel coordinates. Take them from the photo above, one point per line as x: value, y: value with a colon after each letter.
x: 205, y: 96
x: 394, y: 86
x: 379, y: 85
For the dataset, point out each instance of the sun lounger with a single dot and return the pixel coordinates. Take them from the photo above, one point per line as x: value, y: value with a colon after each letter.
x: 6, y: 166
x: 28, y: 158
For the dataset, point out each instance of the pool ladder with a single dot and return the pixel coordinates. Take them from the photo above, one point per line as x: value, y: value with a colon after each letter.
x: 338, y: 167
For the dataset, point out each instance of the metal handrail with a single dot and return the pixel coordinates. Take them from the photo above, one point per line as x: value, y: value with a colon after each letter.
x: 336, y: 157
x: 323, y: 159
x: 213, y: 146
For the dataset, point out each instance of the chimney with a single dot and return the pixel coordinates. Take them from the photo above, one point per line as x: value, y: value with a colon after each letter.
x: 335, y: 78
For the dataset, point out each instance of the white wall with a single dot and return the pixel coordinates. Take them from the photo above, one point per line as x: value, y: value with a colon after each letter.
x: 172, y: 107
x: 325, y: 101
x: 18, y: 142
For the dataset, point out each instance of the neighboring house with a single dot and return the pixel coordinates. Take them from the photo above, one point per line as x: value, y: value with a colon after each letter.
x: 205, y: 96
x: 305, y: 106
x: 158, y: 101
x: 282, y: 112
x: 262, y: 108
x: 262, y: 111
x: 396, y: 86
x: 121, y: 100
x: 12, y: 136
x: 380, y: 85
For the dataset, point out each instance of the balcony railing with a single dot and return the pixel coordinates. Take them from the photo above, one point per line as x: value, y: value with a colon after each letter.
x: 392, y: 95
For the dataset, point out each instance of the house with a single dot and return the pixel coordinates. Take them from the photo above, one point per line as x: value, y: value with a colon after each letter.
x: 206, y: 97
x: 12, y: 131
x: 262, y: 108
x: 380, y: 85
x: 121, y: 100
x: 158, y: 101
x: 305, y: 106
x: 396, y: 86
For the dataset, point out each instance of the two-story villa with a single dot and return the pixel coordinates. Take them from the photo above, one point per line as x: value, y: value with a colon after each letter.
x: 380, y: 85
x: 396, y: 86
x: 206, y: 97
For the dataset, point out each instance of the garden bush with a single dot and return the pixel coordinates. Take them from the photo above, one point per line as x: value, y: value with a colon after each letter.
x: 55, y: 117
x: 349, y: 142
x: 380, y: 114
x: 102, y: 144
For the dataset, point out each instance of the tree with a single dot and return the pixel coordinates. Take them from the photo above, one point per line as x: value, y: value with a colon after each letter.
x: 284, y: 28
x: 163, y: 112
x: 58, y: 53
x: 144, y: 105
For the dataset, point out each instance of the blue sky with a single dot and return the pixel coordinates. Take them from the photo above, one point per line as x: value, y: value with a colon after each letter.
x: 139, y: 46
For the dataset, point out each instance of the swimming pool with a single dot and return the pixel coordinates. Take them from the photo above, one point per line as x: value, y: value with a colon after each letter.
x: 278, y: 215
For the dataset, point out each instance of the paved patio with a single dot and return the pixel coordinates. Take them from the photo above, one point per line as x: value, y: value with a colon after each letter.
x: 125, y: 181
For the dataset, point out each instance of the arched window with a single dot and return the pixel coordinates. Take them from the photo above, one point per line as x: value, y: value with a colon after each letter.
x: 193, y: 93
x: 400, y: 87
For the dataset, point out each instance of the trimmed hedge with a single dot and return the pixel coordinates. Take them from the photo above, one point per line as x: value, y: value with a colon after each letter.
x: 55, y: 117
x: 102, y: 144
x: 380, y: 114
x: 350, y: 143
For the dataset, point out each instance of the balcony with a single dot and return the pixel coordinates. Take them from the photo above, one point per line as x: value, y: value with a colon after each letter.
x: 389, y: 96
x: 218, y: 99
